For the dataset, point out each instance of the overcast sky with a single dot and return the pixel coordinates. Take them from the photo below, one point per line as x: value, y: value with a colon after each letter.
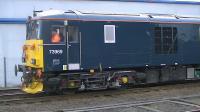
x: 175, y: 0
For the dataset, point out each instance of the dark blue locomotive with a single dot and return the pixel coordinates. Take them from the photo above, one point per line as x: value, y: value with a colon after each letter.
x: 96, y: 51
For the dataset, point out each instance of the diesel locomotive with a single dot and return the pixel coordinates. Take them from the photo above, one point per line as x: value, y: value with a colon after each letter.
x: 92, y: 51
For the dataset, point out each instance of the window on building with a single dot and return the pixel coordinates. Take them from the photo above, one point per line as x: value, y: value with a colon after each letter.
x: 165, y: 40
x: 109, y: 33
x: 73, y: 34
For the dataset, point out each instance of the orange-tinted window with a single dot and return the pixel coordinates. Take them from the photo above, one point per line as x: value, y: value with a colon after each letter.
x: 55, y: 37
x: 57, y: 34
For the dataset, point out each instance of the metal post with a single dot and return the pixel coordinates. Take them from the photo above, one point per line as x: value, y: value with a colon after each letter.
x: 5, y: 73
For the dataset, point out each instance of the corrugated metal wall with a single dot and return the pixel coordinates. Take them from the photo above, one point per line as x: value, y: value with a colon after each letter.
x: 14, y: 12
x: 11, y: 41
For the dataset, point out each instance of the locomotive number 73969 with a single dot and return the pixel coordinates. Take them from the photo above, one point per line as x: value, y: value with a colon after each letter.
x: 59, y: 51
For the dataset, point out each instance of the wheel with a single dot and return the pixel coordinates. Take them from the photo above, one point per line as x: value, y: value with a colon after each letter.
x: 52, y: 85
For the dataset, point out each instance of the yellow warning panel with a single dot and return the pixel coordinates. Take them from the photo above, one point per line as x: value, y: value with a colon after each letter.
x: 33, y: 50
x: 33, y: 88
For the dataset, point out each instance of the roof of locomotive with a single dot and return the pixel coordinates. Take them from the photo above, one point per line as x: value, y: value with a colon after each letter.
x: 144, y: 17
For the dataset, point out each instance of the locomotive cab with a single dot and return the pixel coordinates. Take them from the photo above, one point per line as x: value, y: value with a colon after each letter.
x: 51, y: 46
x: 32, y: 58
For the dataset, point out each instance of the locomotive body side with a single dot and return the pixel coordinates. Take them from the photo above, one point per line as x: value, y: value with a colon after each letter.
x: 136, y: 46
x: 99, y: 52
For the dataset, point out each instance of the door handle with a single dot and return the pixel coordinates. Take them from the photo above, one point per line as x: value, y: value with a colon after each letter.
x: 69, y: 45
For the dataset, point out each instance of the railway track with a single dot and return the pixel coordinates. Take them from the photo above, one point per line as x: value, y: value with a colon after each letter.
x: 16, y: 96
x: 145, y: 106
x: 11, y: 93
x: 10, y: 90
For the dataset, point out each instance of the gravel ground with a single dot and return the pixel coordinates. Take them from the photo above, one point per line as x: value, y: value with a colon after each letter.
x: 131, y: 109
x: 79, y: 100
x: 171, y: 107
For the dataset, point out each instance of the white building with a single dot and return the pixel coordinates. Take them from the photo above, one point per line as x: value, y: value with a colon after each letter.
x: 13, y: 14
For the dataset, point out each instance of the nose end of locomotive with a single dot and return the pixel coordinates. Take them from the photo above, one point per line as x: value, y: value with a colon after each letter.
x: 33, y: 88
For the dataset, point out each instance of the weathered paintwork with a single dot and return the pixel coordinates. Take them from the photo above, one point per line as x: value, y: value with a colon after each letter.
x: 134, y: 45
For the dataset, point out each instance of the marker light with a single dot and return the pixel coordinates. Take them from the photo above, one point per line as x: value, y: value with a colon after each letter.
x: 25, y: 48
x: 39, y: 73
x: 33, y: 47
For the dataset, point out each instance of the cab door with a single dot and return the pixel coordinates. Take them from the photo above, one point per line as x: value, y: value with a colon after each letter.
x: 55, y: 47
x: 73, y: 48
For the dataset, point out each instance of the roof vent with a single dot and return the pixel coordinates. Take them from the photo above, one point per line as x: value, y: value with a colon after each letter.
x: 155, y: 15
x: 49, y: 12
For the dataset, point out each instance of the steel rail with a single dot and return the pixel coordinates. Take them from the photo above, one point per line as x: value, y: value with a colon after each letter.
x: 137, y: 103
x: 9, y: 90
x: 20, y: 98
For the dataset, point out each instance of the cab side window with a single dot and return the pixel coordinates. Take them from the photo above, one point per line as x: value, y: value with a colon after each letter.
x: 57, y: 34
x: 73, y: 34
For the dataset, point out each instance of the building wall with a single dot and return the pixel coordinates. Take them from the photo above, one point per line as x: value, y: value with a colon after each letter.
x: 12, y: 37
x: 14, y: 12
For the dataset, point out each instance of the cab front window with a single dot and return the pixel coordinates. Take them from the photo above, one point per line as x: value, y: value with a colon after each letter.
x: 33, y: 30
